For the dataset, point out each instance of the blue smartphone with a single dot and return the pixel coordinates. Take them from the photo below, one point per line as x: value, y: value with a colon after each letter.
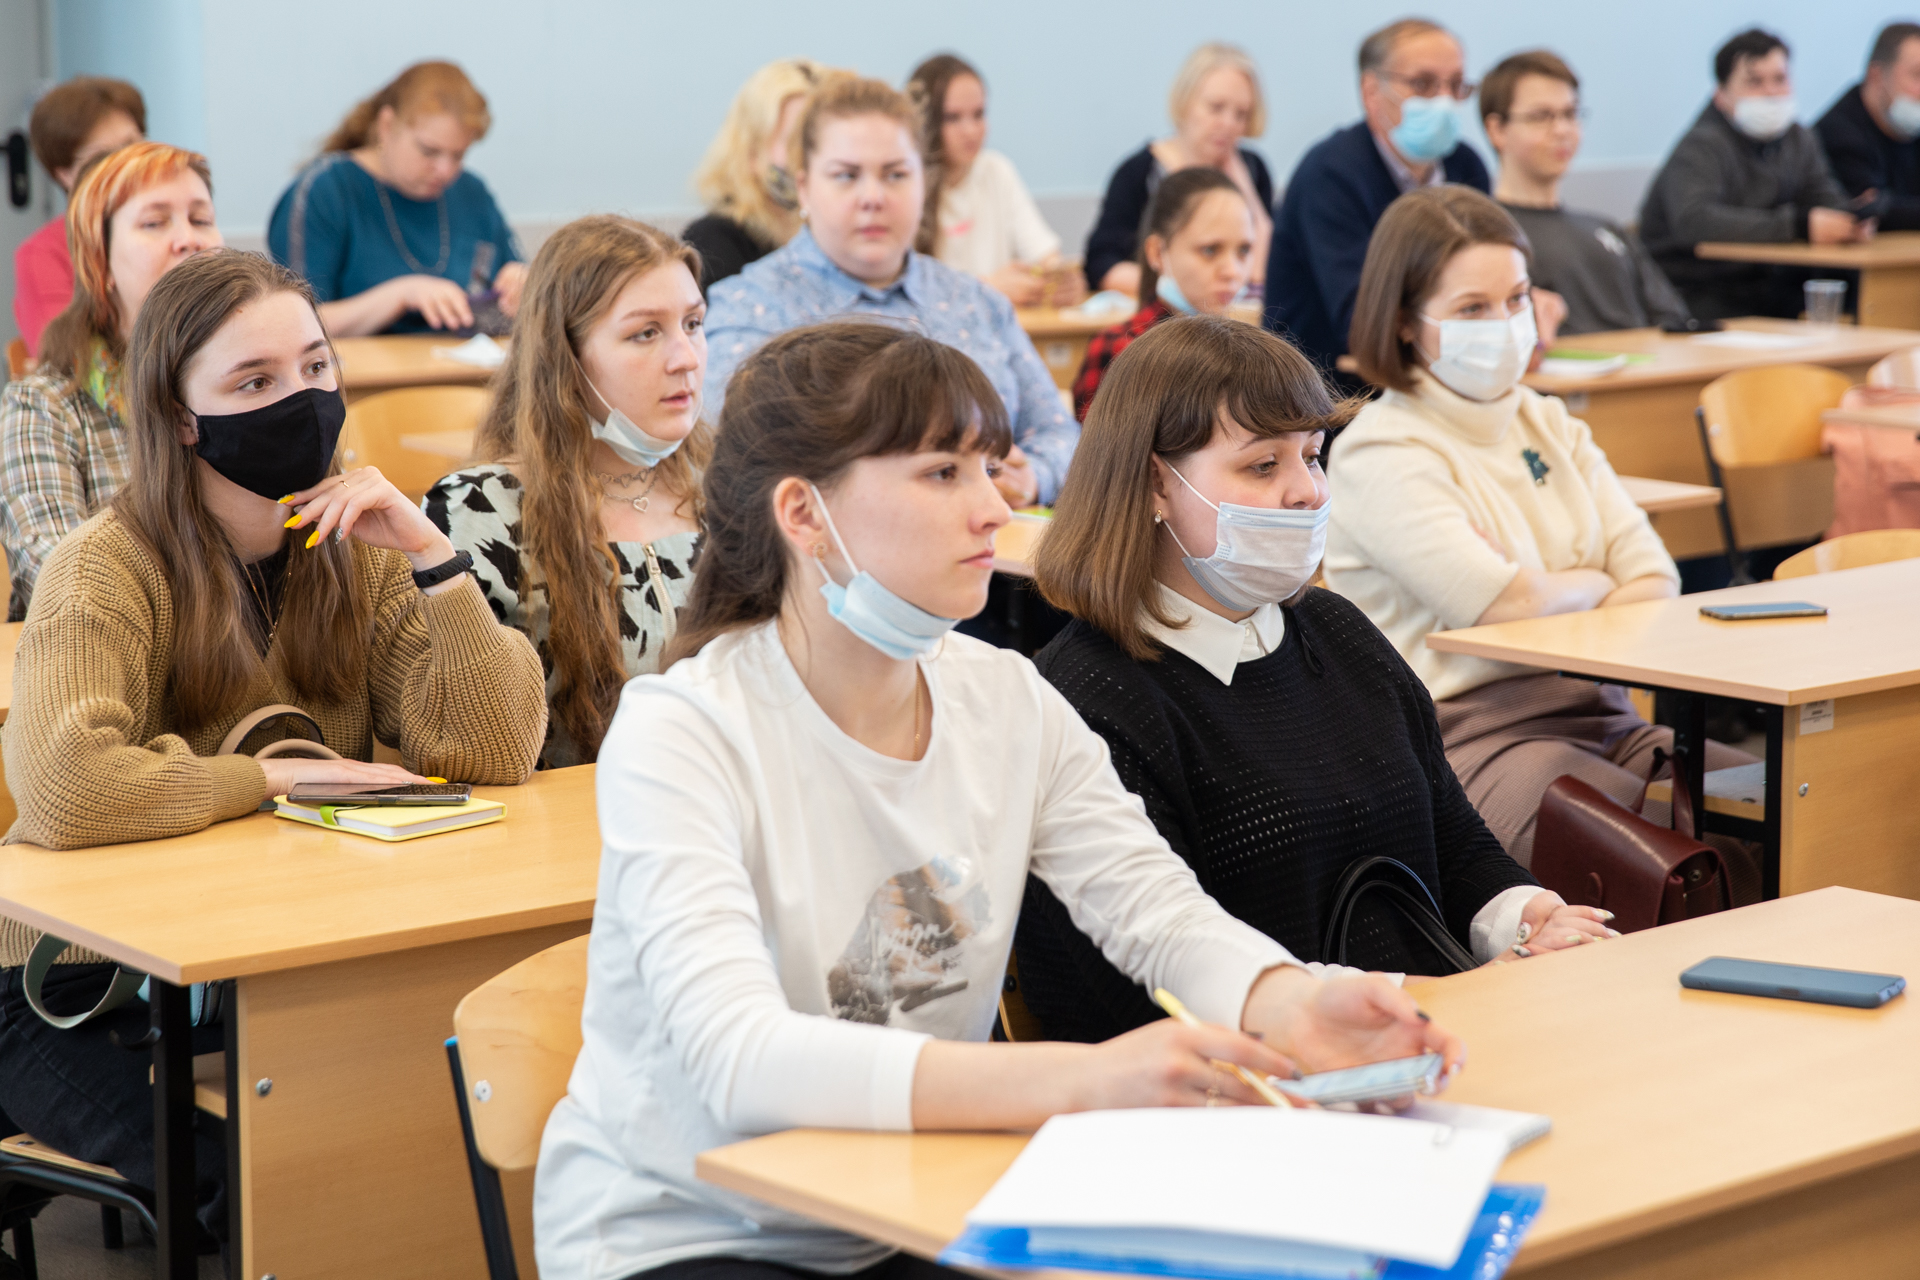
x: 1371, y: 1082
x: 1793, y: 982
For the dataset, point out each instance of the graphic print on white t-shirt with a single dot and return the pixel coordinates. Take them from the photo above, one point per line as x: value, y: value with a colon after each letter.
x: 911, y: 942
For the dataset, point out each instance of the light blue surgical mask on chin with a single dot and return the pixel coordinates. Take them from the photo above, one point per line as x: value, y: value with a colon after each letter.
x: 1167, y: 289
x: 634, y: 446
x: 896, y: 627
x: 1904, y: 115
x: 1429, y: 129
x: 1261, y: 555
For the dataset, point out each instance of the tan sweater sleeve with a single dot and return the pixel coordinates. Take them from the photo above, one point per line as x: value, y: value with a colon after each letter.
x: 461, y: 696
x: 82, y: 689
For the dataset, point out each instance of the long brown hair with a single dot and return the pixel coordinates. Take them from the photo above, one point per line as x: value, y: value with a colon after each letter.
x: 326, y: 622
x: 927, y: 90
x: 810, y: 404
x: 539, y: 422
x: 108, y: 184
x: 423, y: 89
x: 1165, y: 394
x: 1415, y: 239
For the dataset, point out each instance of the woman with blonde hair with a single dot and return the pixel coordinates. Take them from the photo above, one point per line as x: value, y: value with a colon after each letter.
x: 1214, y: 103
x: 746, y: 177
x: 583, y: 521
x: 135, y: 215
x: 391, y: 231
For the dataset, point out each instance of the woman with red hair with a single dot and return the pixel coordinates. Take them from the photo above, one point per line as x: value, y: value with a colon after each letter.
x: 63, y: 452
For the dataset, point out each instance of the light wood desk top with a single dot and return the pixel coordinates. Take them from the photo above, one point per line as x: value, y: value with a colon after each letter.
x: 455, y: 446
x: 1899, y: 417
x: 1655, y: 496
x: 1066, y: 322
x: 261, y: 894
x: 1867, y: 642
x: 1668, y: 1105
x: 9, y: 641
x: 390, y: 360
x: 1680, y: 358
x: 1888, y: 249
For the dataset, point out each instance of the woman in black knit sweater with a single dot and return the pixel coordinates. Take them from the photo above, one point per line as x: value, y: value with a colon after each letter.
x: 1273, y: 734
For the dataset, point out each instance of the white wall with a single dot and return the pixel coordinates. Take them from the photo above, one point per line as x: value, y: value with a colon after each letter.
x: 607, y: 105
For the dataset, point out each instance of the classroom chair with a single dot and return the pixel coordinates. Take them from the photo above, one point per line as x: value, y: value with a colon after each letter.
x: 1852, y: 551
x: 389, y: 429
x: 1901, y: 369
x: 515, y: 1037
x: 1017, y: 1022
x: 19, y: 363
x: 1762, y: 426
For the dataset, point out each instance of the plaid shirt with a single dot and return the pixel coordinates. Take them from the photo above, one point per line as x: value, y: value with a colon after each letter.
x: 1105, y: 345
x: 61, y: 458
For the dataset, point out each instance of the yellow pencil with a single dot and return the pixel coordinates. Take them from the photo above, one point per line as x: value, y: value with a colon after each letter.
x: 1180, y: 1013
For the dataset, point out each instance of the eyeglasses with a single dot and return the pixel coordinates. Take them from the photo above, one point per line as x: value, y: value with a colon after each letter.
x: 1428, y: 85
x: 1545, y: 118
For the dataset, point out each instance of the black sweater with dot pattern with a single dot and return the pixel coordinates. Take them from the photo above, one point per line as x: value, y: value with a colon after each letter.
x: 1322, y: 752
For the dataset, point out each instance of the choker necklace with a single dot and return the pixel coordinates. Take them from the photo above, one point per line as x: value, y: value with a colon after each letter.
x: 639, y: 501
x: 400, y: 243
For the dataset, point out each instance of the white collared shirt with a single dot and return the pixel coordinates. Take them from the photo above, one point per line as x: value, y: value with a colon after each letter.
x: 1219, y: 645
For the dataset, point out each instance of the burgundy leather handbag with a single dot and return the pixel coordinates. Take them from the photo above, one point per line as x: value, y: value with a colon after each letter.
x: 1594, y: 851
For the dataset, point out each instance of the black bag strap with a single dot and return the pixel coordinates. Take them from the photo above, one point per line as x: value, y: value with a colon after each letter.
x: 1406, y: 890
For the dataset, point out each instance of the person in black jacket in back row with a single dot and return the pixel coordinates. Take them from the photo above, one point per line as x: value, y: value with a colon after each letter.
x: 1274, y: 735
x: 1872, y: 134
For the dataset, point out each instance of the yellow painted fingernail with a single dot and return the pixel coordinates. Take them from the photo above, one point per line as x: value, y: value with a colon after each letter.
x: 441, y: 781
x: 284, y: 501
x: 291, y: 521
x: 315, y: 538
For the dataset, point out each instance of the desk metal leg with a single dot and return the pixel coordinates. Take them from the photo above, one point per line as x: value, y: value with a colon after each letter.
x: 230, y: 1004
x: 175, y: 1192
x: 1690, y: 744
x: 1776, y: 799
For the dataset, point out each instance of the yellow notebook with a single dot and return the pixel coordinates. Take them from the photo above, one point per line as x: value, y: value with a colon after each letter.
x: 393, y: 822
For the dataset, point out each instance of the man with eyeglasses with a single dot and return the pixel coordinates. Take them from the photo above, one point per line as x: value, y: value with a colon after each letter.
x: 1872, y: 134
x: 1530, y: 105
x: 1748, y: 172
x: 1412, y: 81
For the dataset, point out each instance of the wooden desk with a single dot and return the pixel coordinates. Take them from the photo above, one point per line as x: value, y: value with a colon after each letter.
x: 1689, y: 1140
x: 1657, y: 497
x: 1842, y: 776
x: 1889, y: 267
x: 350, y: 956
x: 1895, y: 417
x: 1060, y: 335
x: 388, y: 361
x: 1642, y: 416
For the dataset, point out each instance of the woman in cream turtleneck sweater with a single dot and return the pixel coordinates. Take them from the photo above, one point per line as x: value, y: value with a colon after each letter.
x: 1466, y: 498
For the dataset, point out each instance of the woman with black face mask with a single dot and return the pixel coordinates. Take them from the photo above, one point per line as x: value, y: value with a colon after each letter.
x: 237, y: 569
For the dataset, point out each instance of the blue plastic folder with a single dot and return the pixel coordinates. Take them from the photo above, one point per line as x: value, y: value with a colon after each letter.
x: 1509, y: 1211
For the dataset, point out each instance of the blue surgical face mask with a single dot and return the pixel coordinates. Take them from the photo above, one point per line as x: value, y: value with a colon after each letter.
x: 896, y: 627
x: 1904, y: 115
x: 1168, y: 291
x: 634, y: 446
x: 1429, y: 129
x: 1261, y: 555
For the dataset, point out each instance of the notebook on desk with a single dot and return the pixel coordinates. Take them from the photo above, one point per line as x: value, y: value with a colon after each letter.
x: 1246, y: 1192
x: 393, y: 823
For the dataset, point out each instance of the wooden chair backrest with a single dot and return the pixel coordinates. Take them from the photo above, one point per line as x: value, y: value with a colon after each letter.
x: 1852, y: 551
x: 519, y: 1033
x: 19, y: 363
x: 1771, y: 414
x: 376, y: 423
x: 1901, y: 369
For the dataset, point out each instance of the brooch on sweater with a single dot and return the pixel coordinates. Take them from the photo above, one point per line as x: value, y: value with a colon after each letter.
x: 1536, y: 466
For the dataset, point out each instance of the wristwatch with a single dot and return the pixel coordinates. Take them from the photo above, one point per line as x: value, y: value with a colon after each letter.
x: 443, y: 572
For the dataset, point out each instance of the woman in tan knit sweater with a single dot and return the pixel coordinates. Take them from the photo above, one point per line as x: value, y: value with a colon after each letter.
x: 163, y: 620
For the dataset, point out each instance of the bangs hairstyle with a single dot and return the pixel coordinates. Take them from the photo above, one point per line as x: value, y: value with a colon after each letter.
x: 540, y: 423
x: 1169, y: 393
x: 729, y: 177
x: 809, y: 404
x: 1415, y: 239
x: 68, y: 112
x: 1203, y: 62
x: 326, y: 622
x: 423, y: 89
x: 843, y: 96
x: 105, y: 188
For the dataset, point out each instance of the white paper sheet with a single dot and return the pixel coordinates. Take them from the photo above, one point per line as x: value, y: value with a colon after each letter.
x: 480, y: 351
x: 1516, y: 1128
x: 1376, y: 1184
x: 1754, y: 340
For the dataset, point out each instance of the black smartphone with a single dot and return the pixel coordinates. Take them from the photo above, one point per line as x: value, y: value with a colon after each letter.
x: 412, y: 793
x: 1793, y: 982
x: 1777, y: 609
x: 1692, y: 324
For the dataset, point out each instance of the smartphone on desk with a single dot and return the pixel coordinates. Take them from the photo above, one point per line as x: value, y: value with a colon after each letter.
x: 1372, y: 1082
x: 1793, y: 982
x: 410, y: 794
x: 1753, y: 612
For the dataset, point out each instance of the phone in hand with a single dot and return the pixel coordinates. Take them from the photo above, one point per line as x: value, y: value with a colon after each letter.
x: 1754, y: 612
x: 407, y: 794
x: 1370, y: 1082
x: 1793, y: 982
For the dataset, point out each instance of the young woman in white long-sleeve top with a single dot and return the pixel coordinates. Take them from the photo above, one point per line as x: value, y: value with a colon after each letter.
x: 817, y: 826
